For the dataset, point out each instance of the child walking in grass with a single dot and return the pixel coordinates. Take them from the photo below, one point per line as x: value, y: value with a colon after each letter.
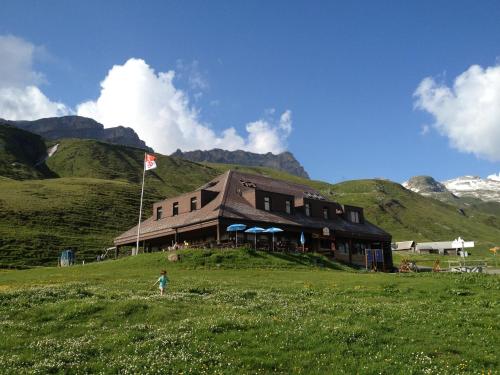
x: 162, y: 280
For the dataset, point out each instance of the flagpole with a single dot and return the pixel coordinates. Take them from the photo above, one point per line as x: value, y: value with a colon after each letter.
x: 140, y: 209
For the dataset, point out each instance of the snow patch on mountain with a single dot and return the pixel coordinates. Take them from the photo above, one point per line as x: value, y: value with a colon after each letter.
x: 487, y: 189
x: 494, y: 177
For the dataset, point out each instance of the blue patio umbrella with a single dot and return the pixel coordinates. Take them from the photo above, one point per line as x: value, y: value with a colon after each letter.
x: 236, y: 228
x: 302, y: 240
x: 273, y: 230
x: 255, y: 230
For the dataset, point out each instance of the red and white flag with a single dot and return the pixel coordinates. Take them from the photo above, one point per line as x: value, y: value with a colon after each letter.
x: 149, y: 162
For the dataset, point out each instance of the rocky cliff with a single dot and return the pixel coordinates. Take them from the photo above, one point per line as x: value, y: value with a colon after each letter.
x: 284, y: 161
x: 80, y: 127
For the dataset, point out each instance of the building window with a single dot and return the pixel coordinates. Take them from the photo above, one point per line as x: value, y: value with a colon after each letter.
x: 175, y: 208
x: 325, y: 213
x: 288, y: 207
x: 343, y: 247
x: 308, y: 209
x: 354, y: 216
x: 267, y: 203
x: 194, y: 202
x: 159, y: 212
x: 358, y: 248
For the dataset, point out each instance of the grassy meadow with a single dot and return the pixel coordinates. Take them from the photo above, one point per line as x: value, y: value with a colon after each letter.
x: 239, y: 311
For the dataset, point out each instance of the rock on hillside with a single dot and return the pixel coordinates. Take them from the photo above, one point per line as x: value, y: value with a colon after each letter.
x: 80, y: 127
x: 284, y: 161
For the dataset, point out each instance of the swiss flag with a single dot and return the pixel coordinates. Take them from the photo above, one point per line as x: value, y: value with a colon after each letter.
x: 149, y: 162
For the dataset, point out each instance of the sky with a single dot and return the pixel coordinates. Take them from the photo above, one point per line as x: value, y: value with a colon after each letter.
x: 354, y: 89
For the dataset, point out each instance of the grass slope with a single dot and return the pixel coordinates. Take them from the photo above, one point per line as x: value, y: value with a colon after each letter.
x: 292, y: 319
x: 94, y: 159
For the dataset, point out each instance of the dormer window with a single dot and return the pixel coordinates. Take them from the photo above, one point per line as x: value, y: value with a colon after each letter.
x: 267, y: 203
x: 307, y: 207
x: 325, y: 213
x: 288, y: 207
x: 159, y: 212
x: 354, y: 216
x: 194, y: 202
x: 175, y: 209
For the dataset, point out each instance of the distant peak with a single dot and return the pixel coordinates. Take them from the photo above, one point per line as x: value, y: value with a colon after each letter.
x: 424, y: 185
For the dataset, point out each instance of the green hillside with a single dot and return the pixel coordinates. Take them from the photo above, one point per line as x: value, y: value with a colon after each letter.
x: 95, y: 192
x: 95, y: 159
x: 20, y: 151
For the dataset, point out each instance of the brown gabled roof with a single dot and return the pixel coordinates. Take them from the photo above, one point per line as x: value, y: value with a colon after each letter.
x: 231, y: 205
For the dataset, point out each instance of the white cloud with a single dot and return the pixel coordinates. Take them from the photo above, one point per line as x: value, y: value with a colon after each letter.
x: 467, y: 113
x: 28, y: 103
x: 134, y: 95
x: 20, y: 98
x: 494, y: 177
x: 16, y: 68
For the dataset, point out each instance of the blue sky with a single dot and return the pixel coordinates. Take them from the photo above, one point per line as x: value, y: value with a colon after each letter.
x: 346, y: 72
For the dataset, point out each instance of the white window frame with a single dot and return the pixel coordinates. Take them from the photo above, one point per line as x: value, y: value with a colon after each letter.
x: 267, y: 203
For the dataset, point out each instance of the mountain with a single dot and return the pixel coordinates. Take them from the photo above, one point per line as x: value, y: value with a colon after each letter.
x: 472, y: 186
x: 425, y: 185
x: 80, y: 127
x: 283, y: 162
x: 88, y: 192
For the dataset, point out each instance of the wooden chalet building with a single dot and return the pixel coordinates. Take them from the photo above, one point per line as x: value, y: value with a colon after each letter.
x: 202, y: 216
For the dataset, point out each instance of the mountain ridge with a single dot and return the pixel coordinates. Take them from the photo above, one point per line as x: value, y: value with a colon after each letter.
x: 52, y: 128
x: 284, y: 161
